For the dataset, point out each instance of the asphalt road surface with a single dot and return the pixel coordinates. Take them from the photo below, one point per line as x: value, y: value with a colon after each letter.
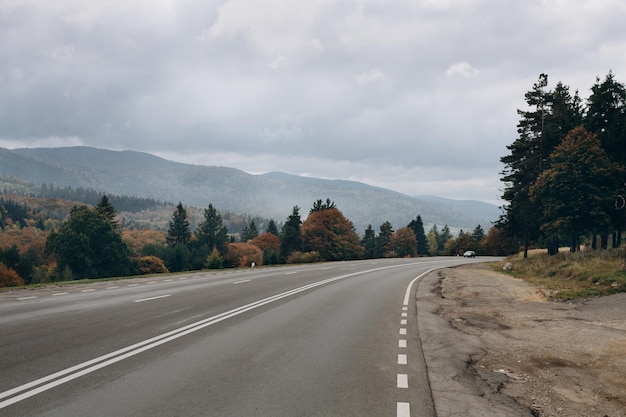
x: 332, y: 339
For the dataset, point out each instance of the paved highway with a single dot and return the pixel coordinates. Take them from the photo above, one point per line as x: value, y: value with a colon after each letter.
x: 332, y: 339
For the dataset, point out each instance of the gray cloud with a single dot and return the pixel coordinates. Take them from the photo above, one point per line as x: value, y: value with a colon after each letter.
x: 418, y: 96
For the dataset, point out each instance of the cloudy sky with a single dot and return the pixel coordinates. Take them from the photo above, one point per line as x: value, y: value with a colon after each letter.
x: 418, y: 96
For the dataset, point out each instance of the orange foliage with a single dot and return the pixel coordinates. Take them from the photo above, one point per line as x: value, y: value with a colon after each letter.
x: 149, y: 265
x: 142, y: 237
x: 266, y: 241
x: 243, y: 254
x: 24, y: 239
x: 330, y: 234
x: 9, y: 278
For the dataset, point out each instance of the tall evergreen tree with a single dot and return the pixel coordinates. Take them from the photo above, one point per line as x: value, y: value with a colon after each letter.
x: 420, y: 235
x: 271, y: 228
x: 107, y: 211
x: 211, y: 231
x: 478, y: 234
x: 577, y: 190
x: 369, y: 242
x: 179, y: 231
x: 606, y: 116
x: 383, y: 239
x: 550, y: 116
x: 290, y: 237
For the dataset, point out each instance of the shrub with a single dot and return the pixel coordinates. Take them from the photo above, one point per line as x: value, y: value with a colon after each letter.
x: 9, y: 278
x: 215, y: 260
x: 243, y: 255
x: 304, y: 257
x: 149, y: 265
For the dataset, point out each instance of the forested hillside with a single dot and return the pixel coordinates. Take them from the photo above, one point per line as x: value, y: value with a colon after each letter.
x: 269, y: 196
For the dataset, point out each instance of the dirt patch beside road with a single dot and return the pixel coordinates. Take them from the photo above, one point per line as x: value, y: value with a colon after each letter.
x: 552, y: 358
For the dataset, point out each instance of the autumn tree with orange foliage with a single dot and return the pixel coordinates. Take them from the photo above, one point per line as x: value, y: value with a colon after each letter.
x: 330, y: 234
x: 403, y: 243
x: 269, y: 243
x: 243, y: 254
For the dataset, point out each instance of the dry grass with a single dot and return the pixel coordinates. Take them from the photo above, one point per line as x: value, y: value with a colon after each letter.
x: 571, y: 275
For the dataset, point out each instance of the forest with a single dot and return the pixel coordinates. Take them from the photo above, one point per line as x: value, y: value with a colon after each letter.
x: 565, y: 174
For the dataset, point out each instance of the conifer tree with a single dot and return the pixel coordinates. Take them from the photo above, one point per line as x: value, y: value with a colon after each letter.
x: 179, y: 231
x: 107, y: 211
x: 420, y: 235
x: 577, y: 191
x: 290, y: 237
x: 211, y: 231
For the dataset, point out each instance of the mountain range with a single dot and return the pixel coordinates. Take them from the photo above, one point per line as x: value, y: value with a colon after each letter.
x: 271, y: 195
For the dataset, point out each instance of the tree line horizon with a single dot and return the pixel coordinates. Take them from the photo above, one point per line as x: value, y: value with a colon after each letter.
x: 90, y: 244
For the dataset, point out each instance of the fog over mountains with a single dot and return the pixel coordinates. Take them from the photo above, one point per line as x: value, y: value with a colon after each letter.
x: 270, y: 195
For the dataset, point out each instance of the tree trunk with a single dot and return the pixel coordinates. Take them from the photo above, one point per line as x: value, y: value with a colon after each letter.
x: 594, y: 242
x: 553, y: 246
x: 526, y: 244
x: 604, y: 241
x: 575, y: 247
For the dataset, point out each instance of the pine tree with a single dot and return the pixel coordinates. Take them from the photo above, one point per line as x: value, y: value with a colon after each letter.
x: 107, y: 211
x: 369, y: 243
x: 249, y: 232
x: 179, y: 231
x: 420, y: 235
x: 211, y: 231
x: 271, y: 227
x: 577, y: 191
x: 383, y: 239
x: 290, y: 237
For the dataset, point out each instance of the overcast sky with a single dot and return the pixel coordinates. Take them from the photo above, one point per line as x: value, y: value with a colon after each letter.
x: 418, y: 96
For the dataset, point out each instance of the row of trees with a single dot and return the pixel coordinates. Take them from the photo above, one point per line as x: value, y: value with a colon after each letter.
x: 90, y: 244
x: 566, y: 168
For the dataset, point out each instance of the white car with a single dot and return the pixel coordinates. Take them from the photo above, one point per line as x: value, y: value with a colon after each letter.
x: 470, y: 254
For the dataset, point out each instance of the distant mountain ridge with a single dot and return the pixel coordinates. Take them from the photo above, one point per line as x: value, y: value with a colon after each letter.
x: 270, y: 195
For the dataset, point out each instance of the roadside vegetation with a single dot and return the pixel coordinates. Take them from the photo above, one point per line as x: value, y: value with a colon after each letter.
x: 568, y: 275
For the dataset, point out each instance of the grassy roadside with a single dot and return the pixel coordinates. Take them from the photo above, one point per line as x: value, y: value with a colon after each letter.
x: 571, y: 275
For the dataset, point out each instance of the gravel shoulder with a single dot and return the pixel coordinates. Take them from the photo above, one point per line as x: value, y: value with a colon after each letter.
x: 496, y: 346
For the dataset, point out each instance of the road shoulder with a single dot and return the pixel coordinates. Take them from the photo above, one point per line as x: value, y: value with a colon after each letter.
x: 495, y: 346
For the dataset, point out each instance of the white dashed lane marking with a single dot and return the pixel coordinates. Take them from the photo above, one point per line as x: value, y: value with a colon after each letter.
x: 152, y: 298
x: 403, y: 381
x: 402, y: 359
x: 402, y: 344
x: 403, y: 410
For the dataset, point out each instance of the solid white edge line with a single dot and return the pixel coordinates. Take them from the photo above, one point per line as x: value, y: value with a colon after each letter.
x: 407, y: 294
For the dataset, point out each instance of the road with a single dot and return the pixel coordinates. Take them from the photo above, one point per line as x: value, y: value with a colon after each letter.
x: 332, y: 339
